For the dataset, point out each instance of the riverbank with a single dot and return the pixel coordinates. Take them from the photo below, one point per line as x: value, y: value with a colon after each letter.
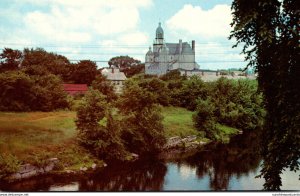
x: 34, y: 137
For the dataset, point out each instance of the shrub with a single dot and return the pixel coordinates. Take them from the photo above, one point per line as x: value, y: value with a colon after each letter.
x: 9, y: 164
x: 99, y: 131
x: 204, y: 118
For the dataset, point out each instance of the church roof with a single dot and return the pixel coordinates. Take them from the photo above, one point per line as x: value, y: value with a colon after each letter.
x: 174, y: 48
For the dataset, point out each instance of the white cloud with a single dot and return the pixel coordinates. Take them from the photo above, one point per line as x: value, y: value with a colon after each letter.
x: 80, y: 21
x: 206, y: 23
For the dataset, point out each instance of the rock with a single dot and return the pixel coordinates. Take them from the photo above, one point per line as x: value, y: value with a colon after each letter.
x: 83, y: 168
x: 135, y: 156
x: 26, y: 168
x: 94, y: 166
x: 54, y: 160
x: 16, y: 176
x: 49, y: 167
x: 41, y: 170
x: 29, y: 174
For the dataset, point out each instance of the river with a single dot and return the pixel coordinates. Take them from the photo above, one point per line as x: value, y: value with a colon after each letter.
x: 217, y: 166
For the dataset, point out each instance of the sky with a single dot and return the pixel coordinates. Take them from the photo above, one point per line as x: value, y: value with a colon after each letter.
x: 101, y: 29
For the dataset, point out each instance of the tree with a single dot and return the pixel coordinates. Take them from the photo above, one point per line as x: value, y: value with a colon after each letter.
x: 128, y: 65
x: 99, y: 131
x: 10, y: 59
x: 142, y: 124
x: 204, y: 119
x: 191, y: 90
x: 84, y: 72
x: 53, y: 63
x: 21, y: 92
x: 270, y: 33
x: 105, y: 87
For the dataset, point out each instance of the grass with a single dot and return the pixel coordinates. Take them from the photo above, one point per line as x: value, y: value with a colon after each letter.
x: 178, y: 122
x: 224, y: 132
x: 33, y: 136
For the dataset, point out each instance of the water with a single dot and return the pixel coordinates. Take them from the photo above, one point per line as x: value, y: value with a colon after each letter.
x: 218, y: 166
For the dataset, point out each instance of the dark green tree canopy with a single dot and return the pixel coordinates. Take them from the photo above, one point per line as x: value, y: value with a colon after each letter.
x: 54, y: 63
x: 84, y: 72
x: 128, y: 65
x: 10, y: 59
x: 270, y: 33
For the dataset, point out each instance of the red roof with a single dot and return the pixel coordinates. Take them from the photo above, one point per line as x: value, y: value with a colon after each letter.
x: 75, y: 88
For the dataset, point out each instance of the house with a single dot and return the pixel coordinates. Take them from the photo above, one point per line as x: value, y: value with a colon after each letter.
x: 116, y: 77
x: 74, y: 89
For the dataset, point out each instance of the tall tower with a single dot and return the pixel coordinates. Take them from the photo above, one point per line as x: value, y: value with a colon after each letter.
x: 159, y: 39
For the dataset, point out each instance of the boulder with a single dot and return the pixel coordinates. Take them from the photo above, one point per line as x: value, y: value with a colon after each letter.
x: 94, y: 166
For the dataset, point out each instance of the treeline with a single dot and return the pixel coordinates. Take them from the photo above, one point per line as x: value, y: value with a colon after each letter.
x: 31, y: 80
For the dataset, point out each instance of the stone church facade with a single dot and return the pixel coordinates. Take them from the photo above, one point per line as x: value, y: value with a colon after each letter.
x: 169, y: 56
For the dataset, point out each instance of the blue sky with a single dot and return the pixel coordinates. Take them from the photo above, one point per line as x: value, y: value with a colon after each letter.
x: 101, y: 29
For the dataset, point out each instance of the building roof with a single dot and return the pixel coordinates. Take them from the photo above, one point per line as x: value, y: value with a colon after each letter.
x: 174, y: 48
x: 113, y: 74
x: 75, y: 88
x: 159, y: 32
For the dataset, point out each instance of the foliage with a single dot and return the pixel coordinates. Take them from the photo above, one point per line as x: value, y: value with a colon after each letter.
x: 191, y: 90
x: 269, y: 31
x: 105, y: 87
x: 238, y: 104
x: 9, y: 164
x: 53, y: 63
x: 99, y: 131
x: 10, y: 59
x: 142, y: 129
x: 15, y: 91
x: 128, y: 65
x: 204, y: 118
x: 232, y: 103
x: 20, y: 92
x: 83, y: 72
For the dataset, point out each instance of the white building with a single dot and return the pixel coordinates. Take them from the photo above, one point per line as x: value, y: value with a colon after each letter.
x: 116, y: 78
x: 169, y: 56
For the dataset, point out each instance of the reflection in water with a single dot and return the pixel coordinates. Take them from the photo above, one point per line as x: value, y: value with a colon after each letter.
x: 222, y: 161
x: 230, y: 166
x: 145, y: 175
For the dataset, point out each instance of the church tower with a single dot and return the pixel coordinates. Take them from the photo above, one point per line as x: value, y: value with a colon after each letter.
x: 159, y: 39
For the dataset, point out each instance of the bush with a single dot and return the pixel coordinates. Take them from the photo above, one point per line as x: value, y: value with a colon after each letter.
x: 99, y: 131
x: 204, y: 118
x: 9, y: 164
x: 142, y: 123
x: 21, y: 92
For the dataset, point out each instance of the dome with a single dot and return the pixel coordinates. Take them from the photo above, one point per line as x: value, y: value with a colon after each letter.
x: 149, y: 52
x: 159, y: 32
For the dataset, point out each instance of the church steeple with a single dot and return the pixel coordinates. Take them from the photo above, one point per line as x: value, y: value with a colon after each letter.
x: 159, y: 39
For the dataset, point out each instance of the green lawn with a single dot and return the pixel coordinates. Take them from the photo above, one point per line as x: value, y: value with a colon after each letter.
x: 178, y: 122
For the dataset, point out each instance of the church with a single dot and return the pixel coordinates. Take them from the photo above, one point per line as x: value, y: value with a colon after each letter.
x: 169, y: 56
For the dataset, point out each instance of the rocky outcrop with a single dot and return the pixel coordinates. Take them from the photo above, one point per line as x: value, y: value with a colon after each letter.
x: 28, y: 170
x: 183, y: 143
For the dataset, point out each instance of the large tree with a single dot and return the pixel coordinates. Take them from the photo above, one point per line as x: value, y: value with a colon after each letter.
x: 128, y: 65
x: 84, y: 72
x: 269, y: 31
x: 56, y: 64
